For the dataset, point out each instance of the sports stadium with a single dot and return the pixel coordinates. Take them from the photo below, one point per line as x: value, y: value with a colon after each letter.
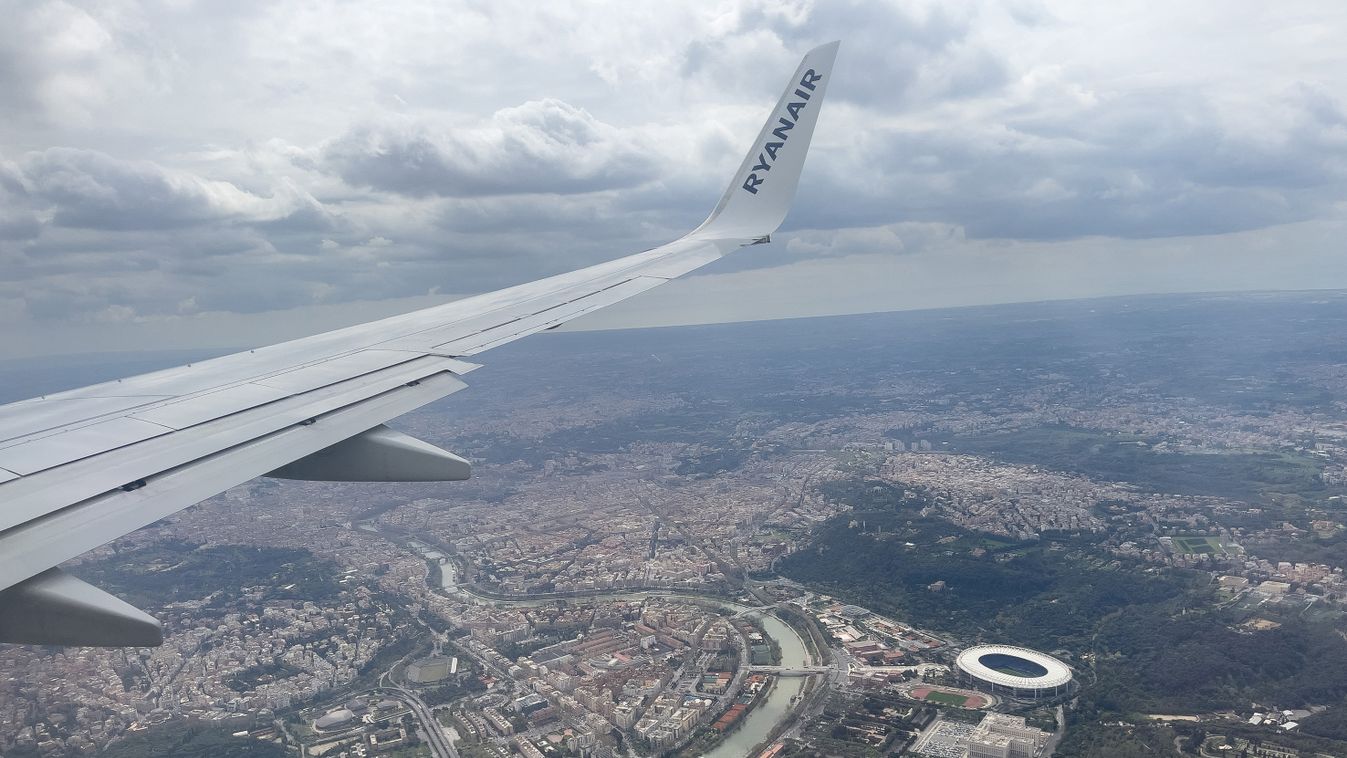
x: 1014, y: 671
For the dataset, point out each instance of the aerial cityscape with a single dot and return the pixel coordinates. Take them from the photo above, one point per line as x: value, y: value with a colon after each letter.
x: 1093, y: 528
x: 734, y: 379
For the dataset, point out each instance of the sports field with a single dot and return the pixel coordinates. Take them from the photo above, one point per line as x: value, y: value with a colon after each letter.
x: 1198, y: 545
x: 947, y: 698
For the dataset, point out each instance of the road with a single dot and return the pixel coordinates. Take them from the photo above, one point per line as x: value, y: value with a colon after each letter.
x: 813, y: 702
x: 435, y: 739
x: 1057, y: 733
x: 791, y: 670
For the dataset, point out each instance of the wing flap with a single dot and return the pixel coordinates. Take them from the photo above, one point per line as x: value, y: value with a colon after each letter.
x: 31, y: 418
x: 198, y: 409
x: 333, y: 370
x: 76, y: 444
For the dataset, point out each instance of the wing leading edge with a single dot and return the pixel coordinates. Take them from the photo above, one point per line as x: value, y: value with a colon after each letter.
x: 81, y: 468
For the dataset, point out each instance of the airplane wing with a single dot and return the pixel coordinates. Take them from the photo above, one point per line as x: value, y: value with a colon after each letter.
x: 81, y: 468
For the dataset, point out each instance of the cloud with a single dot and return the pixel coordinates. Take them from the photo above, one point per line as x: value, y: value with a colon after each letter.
x: 91, y: 190
x: 542, y: 146
x: 59, y: 61
x: 18, y: 224
x: 1132, y: 166
x: 166, y: 160
x: 925, y: 50
x: 893, y: 239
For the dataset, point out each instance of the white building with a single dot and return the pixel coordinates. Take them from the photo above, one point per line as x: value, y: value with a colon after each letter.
x: 1002, y: 736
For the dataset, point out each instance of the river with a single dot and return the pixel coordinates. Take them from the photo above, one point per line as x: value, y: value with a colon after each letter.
x: 762, y: 719
x: 770, y: 711
x: 767, y: 714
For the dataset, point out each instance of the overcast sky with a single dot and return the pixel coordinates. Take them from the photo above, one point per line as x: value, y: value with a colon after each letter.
x: 185, y: 173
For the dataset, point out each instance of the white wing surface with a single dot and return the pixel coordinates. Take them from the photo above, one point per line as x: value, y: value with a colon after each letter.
x: 81, y: 468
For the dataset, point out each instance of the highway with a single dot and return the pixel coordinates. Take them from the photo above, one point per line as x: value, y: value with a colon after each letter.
x: 438, y: 743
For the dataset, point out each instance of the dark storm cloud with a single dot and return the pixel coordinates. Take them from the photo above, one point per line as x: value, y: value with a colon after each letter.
x: 544, y: 146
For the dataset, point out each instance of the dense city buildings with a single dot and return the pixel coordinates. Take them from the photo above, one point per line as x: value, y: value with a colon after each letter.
x: 767, y: 553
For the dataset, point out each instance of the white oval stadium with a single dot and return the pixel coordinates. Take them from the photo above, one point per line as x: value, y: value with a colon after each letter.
x: 1014, y: 671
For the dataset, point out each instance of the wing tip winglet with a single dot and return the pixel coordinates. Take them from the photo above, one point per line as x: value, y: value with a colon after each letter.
x: 759, y: 197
